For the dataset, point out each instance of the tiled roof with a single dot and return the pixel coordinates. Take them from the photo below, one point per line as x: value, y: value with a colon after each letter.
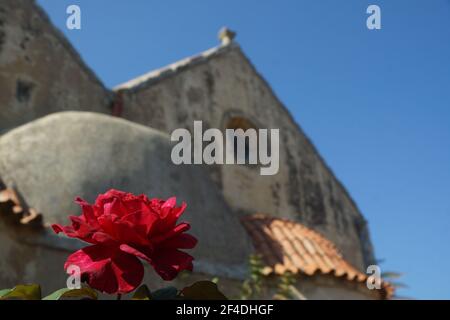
x: 12, y: 209
x: 287, y: 246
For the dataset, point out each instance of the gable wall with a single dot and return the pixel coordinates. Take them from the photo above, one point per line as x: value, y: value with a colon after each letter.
x: 304, y: 189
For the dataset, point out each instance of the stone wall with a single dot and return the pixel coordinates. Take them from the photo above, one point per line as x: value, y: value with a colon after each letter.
x: 326, y: 287
x: 221, y: 85
x: 329, y: 287
x: 40, y: 72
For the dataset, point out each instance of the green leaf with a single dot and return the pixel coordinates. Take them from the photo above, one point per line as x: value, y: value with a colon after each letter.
x: 203, y: 290
x: 4, y: 291
x: 83, y: 293
x: 22, y: 292
x: 169, y: 293
x: 142, y: 293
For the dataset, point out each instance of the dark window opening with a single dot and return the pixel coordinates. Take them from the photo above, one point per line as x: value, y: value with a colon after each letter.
x: 236, y: 123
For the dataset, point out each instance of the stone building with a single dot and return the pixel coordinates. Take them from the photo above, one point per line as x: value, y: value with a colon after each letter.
x: 63, y: 134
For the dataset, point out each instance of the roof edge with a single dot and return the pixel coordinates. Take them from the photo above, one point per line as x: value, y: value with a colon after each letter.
x: 68, y: 46
x: 156, y: 75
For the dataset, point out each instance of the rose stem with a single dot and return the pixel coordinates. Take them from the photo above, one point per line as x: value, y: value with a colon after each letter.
x: 119, y: 296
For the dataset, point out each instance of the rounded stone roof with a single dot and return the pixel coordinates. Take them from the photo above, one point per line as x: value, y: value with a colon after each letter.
x: 52, y: 160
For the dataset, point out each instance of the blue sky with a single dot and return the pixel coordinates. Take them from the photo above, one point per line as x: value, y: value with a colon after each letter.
x: 375, y: 103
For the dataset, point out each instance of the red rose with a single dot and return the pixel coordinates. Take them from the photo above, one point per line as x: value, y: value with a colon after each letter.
x: 123, y: 227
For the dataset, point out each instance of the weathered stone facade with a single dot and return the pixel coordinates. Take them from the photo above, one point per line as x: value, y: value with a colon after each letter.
x: 51, y: 160
x: 221, y: 85
x: 40, y: 72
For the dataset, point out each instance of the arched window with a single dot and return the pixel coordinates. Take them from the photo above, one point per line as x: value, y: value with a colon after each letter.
x: 244, y: 140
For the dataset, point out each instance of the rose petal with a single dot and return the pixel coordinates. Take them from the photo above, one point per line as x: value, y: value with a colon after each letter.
x: 170, y: 219
x: 79, y: 229
x: 158, y: 237
x: 88, y: 212
x: 168, y: 263
x: 115, y: 207
x: 126, y: 248
x: 121, y: 230
x: 108, y: 269
x: 143, y: 221
x: 109, y: 196
x: 181, y: 241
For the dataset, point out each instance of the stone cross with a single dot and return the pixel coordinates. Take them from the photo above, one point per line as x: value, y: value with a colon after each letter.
x: 226, y: 36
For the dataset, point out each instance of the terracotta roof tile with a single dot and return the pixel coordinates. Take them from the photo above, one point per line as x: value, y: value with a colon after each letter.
x: 11, y: 208
x: 289, y: 246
